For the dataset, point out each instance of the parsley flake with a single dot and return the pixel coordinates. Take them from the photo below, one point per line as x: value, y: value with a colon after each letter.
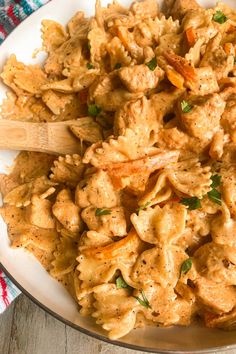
x: 90, y: 66
x: 186, y: 107
x: 93, y: 110
x: 143, y: 301
x: 117, y: 66
x: 192, y: 203
x: 220, y: 17
x: 101, y: 211
x: 142, y: 207
x: 215, y: 196
x: 186, y: 266
x: 121, y: 284
x: 216, y: 180
x: 152, y: 64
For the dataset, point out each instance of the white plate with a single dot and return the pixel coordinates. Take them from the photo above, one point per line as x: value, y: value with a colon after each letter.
x: 28, y: 274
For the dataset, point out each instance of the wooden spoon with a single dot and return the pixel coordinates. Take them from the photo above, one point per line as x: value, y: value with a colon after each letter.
x: 52, y: 138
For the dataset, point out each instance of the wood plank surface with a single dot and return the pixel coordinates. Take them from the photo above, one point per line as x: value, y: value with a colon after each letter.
x: 27, y: 329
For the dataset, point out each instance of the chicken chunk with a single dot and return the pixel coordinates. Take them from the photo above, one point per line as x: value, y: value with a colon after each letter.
x: 216, y: 297
x: 217, y: 263
x: 97, y: 190
x: 139, y: 78
x: 206, y: 82
x: 204, y: 115
x: 66, y: 212
x: 181, y: 7
x: 111, y: 223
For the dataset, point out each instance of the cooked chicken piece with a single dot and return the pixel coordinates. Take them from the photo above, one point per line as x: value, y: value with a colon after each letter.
x: 139, y: 78
x: 218, y: 298
x: 110, y: 222
x: 217, y: 263
x: 181, y: 7
x: 66, y: 212
x: 226, y: 321
x: 203, y: 118
x: 146, y: 8
x: 216, y: 57
x: 115, y: 99
x: 206, y: 82
x: 39, y: 213
x: 97, y: 190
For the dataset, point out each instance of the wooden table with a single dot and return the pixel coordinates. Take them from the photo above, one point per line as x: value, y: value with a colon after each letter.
x: 26, y: 329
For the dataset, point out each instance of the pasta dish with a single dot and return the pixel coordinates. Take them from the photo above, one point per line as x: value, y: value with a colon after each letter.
x: 140, y: 225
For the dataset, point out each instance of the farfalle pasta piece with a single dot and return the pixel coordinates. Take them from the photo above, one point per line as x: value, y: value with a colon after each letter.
x: 124, y: 174
x: 68, y: 170
x: 216, y: 57
x: 217, y: 263
x: 56, y: 101
x: 78, y: 25
x: 112, y: 223
x: 98, y: 38
x: 53, y: 35
x: 39, y: 213
x: 65, y: 257
x: 21, y: 195
x: 140, y: 117
x: 117, y: 53
x: 157, y: 190
x: 87, y: 129
x: 23, y: 79
x: 23, y: 234
x: 190, y: 178
x: 91, y: 239
x: 128, y: 40
x: 101, y: 263
x: 115, y: 310
x: 160, y: 225
x: 160, y: 265
x: 223, y: 228
x: 97, y: 190
x: 64, y: 86
x: 194, y: 54
x: 67, y: 212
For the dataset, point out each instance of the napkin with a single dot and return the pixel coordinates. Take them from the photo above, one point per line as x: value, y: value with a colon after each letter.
x: 12, y: 12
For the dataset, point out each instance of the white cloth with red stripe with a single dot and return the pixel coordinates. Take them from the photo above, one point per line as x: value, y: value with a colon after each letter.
x: 8, y: 292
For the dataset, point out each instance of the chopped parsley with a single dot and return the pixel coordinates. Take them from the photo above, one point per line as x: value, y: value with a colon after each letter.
x: 142, y: 207
x: 215, y: 196
x: 143, y: 301
x: 186, y: 107
x: 101, y: 211
x: 90, y: 66
x: 152, y: 64
x: 117, y: 66
x: 93, y: 110
x: 186, y: 266
x: 192, y: 203
x: 220, y: 17
x: 121, y: 284
x: 216, y: 180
